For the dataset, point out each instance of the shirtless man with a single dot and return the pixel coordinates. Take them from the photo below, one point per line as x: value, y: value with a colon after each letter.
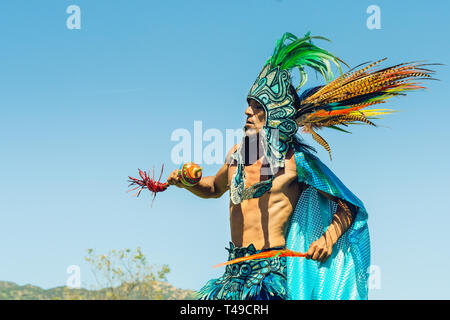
x: 262, y: 221
x: 299, y: 203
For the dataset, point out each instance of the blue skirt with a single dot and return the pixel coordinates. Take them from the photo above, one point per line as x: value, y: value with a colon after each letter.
x: 261, y: 279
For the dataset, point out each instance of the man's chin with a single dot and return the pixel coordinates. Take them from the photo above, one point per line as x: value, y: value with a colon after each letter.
x: 249, y: 132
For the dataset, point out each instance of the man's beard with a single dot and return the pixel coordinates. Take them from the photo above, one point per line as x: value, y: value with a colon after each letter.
x: 252, y: 147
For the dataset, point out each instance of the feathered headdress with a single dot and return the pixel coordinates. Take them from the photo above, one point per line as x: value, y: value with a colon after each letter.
x: 338, y: 103
x: 274, y: 91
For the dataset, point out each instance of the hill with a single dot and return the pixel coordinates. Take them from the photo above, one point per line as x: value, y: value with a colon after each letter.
x: 13, y: 291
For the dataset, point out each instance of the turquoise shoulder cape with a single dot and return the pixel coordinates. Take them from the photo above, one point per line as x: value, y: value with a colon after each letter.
x: 344, y: 275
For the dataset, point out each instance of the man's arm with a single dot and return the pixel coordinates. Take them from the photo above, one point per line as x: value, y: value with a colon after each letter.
x: 322, y: 248
x: 208, y: 187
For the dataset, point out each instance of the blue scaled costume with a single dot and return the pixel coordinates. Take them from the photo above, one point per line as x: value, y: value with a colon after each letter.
x: 344, y: 274
x: 340, y: 102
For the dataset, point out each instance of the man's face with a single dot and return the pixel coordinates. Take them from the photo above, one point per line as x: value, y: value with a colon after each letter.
x: 256, y: 117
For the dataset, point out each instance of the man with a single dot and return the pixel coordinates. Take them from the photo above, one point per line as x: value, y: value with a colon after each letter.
x: 282, y: 196
x: 262, y: 222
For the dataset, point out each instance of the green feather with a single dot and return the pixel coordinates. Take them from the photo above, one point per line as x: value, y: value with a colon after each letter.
x: 337, y: 128
x: 292, y: 52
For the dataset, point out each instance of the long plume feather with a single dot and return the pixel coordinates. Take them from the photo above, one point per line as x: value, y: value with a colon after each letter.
x: 343, y: 100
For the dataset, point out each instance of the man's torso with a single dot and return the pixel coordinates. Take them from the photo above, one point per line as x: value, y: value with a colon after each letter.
x: 263, y: 221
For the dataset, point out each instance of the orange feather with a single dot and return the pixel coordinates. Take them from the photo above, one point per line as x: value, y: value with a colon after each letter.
x: 264, y: 255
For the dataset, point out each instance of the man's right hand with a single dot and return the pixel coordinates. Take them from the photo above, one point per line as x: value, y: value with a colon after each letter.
x: 174, y: 179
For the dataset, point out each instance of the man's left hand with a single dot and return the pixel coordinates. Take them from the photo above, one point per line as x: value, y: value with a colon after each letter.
x: 320, y: 250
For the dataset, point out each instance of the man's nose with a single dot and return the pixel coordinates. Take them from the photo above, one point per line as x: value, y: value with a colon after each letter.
x: 249, y: 111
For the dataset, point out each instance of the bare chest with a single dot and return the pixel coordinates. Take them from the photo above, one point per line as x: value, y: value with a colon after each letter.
x: 258, y: 172
x: 262, y: 221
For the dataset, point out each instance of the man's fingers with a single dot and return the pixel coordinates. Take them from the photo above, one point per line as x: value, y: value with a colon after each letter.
x: 309, y: 253
x: 173, y: 178
x: 319, y: 250
x: 325, y: 255
x: 322, y: 254
x: 316, y: 253
x: 313, y: 251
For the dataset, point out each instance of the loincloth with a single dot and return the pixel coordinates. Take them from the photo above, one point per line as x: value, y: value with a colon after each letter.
x: 260, y: 279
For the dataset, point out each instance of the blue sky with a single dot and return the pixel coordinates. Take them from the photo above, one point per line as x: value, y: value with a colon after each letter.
x: 83, y: 109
